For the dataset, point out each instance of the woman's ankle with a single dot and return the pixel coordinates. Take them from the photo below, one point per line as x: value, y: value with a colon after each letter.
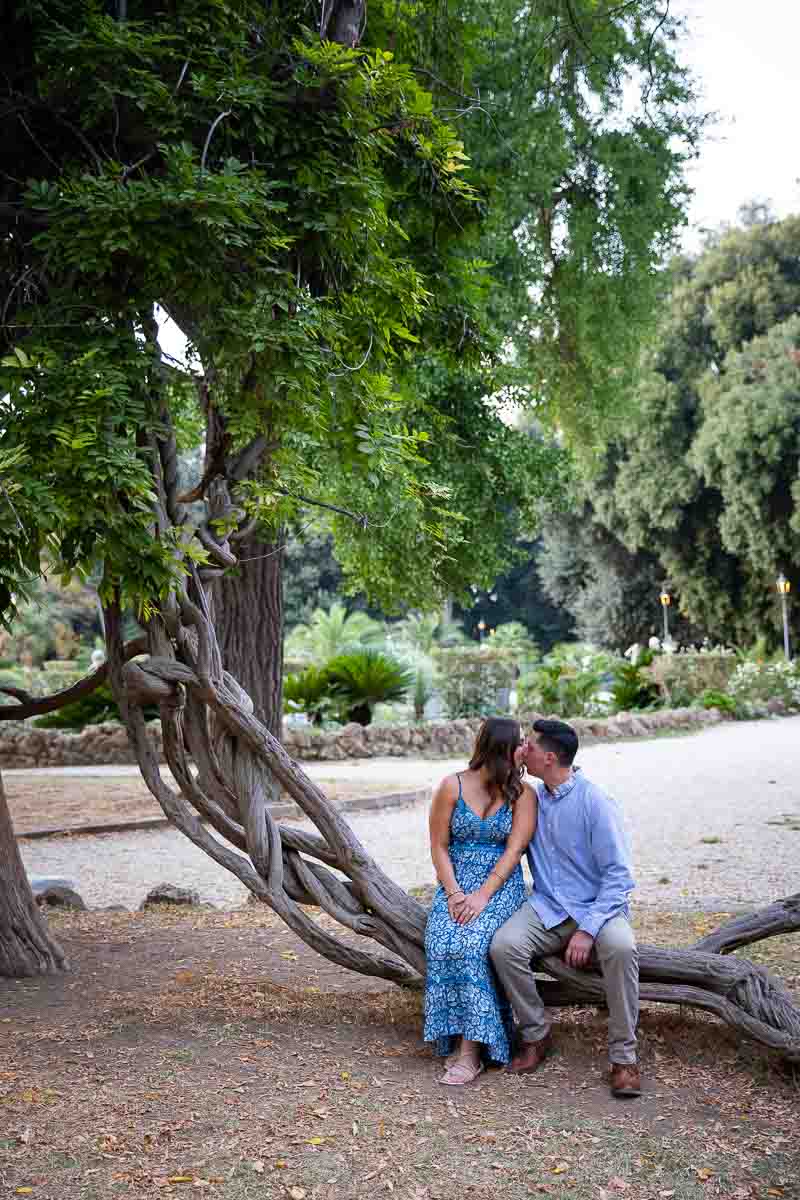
x: 470, y: 1054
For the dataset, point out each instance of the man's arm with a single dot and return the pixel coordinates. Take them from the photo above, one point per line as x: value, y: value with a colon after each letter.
x: 610, y: 851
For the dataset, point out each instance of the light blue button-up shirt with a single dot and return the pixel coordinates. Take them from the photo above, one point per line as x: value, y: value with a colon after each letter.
x: 579, y: 856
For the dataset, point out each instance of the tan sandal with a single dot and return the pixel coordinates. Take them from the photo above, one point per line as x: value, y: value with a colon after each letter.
x: 461, y: 1072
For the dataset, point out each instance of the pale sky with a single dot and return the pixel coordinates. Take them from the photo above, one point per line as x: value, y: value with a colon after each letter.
x: 744, y: 55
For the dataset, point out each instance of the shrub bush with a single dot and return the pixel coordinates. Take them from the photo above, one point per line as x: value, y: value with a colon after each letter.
x: 758, y: 686
x: 721, y: 700
x: 474, y: 681
x: 561, y: 689
x: 632, y: 685
x: 684, y: 676
x: 94, y: 709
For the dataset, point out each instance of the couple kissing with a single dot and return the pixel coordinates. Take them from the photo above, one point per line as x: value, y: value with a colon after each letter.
x: 484, y: 934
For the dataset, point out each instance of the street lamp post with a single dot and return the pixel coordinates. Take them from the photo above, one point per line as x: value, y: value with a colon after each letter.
x: 480, y: 598
x: 666, y: 600
x: 784, y: 587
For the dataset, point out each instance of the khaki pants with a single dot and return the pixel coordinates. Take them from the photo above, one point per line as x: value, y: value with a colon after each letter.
x: 524, y: 937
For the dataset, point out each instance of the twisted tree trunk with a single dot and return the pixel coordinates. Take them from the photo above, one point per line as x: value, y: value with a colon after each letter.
x: 207, y: 716
x: 290, y: 869
x: 737, y: 991
x: 26, y: 947
x: 249, y: 621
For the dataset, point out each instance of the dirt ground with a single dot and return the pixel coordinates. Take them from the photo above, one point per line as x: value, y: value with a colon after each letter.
x: 196, y: 1052
x: 69, y: 801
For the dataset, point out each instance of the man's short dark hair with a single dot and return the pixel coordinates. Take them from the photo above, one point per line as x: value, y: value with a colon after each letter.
x: 559, y: 738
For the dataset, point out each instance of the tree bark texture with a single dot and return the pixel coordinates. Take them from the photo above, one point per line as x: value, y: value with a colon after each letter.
x: 26, y: 947
x: 249, y: 623
x: 343, y: 21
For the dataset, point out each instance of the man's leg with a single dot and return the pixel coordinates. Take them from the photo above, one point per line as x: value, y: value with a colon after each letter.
x: 520, y: 939
x: 618, y: 956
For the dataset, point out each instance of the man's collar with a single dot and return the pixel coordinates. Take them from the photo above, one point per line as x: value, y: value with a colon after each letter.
x: 564, y: 788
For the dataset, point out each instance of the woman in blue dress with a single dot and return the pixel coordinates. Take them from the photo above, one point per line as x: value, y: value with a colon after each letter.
x: 481, y: 822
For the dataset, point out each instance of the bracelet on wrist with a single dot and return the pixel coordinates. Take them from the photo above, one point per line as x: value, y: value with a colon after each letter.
x: 500, y: 877
x: 457, y: 892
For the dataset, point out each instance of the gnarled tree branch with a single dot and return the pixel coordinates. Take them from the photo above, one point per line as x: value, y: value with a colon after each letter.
x: 30, y: 707
x: 289, y: 869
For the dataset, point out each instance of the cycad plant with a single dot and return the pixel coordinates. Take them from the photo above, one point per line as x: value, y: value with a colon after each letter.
x: 310, y: 692
x: 365, y: 678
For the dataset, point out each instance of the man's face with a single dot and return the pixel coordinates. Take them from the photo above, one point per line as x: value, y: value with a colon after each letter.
x: 536, y: 759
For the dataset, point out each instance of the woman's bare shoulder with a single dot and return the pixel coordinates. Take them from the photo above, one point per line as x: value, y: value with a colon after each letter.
x: 447, y: 788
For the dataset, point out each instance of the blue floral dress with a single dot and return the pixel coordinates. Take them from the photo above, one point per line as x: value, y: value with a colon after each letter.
x: 463, y: 995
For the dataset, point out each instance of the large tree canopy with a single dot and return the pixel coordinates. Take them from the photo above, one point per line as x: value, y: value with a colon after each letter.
x: 296, y: 206
x: 702, y: 478
x: 242, y: 174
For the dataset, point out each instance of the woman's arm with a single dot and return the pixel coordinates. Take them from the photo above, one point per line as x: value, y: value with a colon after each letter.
x: 523, y: 828
x: 444, y: 801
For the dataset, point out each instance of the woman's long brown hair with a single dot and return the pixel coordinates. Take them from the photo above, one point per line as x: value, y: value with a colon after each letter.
x: 498, y: 738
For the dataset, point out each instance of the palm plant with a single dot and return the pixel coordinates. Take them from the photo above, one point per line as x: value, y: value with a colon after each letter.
x: 330, y: 632
x: 423, y: 631
x: 514, y: 636
x: 365, y: 678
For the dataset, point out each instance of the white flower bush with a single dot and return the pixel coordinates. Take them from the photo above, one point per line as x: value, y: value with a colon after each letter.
x: 754, y: 685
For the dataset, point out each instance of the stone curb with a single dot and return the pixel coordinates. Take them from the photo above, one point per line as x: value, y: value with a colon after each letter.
x: 360, y: 803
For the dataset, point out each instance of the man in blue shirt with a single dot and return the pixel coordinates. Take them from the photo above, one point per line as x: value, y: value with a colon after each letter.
x: 582, y: 880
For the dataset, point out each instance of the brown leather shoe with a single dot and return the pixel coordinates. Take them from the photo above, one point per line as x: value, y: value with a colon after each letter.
x: 530, y: 1057
x: 625, y: 1080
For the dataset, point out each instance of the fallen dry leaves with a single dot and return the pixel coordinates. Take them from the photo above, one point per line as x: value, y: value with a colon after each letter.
x: 245, y: 1064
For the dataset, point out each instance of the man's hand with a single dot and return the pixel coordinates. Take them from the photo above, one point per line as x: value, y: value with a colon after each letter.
x: 579, y: 950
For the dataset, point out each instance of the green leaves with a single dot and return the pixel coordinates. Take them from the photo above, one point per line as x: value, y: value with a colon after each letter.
x: 702, y: 478
x: 363, y: 678
x: 318, y: 220
x: 347, y: 686
x: 81, y: 483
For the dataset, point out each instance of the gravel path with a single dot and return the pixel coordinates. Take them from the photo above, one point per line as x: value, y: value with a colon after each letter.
x: 710, y: 817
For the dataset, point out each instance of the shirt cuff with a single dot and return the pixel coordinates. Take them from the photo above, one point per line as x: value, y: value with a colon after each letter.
x: 591, y: 925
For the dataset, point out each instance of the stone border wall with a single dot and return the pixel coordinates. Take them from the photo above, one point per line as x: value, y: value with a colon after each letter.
x: 100, y: 745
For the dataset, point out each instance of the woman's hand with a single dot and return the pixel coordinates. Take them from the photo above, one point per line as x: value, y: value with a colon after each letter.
x: 454, y: 903
x: 473, y: 906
